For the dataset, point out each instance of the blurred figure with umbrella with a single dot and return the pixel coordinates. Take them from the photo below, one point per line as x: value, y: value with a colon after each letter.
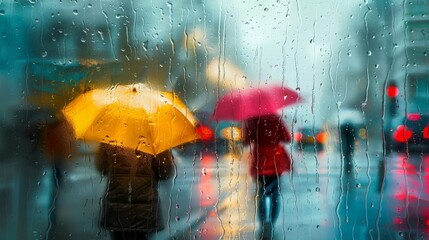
x: 137, y: 127
x: 269, y: 160
x: 265, y: 133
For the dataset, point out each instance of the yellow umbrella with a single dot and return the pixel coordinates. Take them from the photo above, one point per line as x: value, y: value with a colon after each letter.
x: 132, y: 116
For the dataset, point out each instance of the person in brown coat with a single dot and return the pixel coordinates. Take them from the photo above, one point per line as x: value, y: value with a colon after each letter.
x: 131, y: 205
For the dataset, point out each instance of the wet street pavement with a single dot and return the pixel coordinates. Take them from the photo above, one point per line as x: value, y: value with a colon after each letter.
x: 213, y: 197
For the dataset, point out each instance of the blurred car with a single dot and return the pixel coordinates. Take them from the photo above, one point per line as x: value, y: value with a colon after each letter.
x: 215, y: 137
x: 406, y: 199
x: 409, y: 133
x: 309, y: 136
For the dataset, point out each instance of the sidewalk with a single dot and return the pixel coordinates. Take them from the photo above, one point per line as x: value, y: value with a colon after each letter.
x: 231, y: 216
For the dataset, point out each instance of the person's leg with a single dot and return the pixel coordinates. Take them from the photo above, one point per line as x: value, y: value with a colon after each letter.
x: 261, y: 201
x: 268, y: 205
x: 273, y: 193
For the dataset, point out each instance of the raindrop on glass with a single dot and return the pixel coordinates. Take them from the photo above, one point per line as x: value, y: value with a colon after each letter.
x: 2, y: 12
x: 75, y: 12
x: 44, y: 54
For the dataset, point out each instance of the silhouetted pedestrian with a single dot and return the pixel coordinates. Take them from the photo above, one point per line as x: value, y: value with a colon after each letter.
x: 348, y: 138
x: 131, y: 205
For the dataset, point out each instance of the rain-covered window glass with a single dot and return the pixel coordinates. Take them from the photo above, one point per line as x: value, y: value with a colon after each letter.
x: 214, y: 119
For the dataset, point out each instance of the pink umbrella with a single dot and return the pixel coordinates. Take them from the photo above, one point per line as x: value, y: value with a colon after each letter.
x: 253, y: 102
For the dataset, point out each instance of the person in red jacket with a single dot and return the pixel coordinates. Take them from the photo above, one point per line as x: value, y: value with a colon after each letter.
x: 269, y: 160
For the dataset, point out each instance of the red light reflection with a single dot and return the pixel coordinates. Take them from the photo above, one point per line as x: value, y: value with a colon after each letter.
x: 208, y: 185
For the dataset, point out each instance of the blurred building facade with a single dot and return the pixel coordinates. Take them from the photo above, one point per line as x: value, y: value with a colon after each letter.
x: 415, y: 81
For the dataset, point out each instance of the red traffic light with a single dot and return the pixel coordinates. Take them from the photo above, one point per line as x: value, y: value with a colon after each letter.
x: 392, y: 91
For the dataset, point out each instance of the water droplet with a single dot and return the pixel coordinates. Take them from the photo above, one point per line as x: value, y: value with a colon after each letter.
x: 2, y: 12
x: 317, y: 189
x: 266, y: 9
x: 44, y: 54
x: 311, y: 41
x: 75, y: 12
x: 369, y: 53
x: 377, y: 65
x: 118, y: 16
x: 177, y: 218
x: 358, y: 185
x: 90, y: 5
